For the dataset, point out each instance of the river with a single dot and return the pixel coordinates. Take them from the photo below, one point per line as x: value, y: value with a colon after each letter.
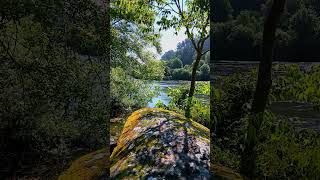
x: 163, y: 96
x: 301, y: 115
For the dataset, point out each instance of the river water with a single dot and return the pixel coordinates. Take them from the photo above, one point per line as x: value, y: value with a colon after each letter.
x: 163, y: 96
x: 301, y: 115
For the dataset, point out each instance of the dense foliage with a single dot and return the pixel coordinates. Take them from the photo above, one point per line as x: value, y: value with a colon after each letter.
x: 55, y: 77
x: 128, y: 92
x: 284, y: 151
x: 237, y: 30
x: 184, y: 51
x: 200, y: 109
x: 178, y: 68
x: 53, y: 83
x: 133, y: 65
x: 298, y: 86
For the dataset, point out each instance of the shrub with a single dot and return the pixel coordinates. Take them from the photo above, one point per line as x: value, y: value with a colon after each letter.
x: 295, y: 85
x: 287, y: 153
x: 127, y: 92
x: 200, y: 111
x: 181, y: 74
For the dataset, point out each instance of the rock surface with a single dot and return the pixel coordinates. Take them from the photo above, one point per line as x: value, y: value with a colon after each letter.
x: 161, y: 144
x: 89, y: 167
x: 154, y: 144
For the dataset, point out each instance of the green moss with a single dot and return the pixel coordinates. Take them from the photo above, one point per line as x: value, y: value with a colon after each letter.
x: 90, y: 166
x: 148, y: 118
x: 222, y: 172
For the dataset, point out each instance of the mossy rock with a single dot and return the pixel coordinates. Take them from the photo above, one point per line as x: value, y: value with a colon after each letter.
x: 161, y: 144
x: 89, y: 167
x: 222, y: 172
x: 154, y: 143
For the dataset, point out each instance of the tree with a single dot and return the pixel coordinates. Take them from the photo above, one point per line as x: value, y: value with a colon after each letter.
x: 153, y: 70
x: 54, y: 77
x: 53, y: 95
x: 204, y: 72
x: 168, y: 55
x: 181, y: 74
x: 185, y: 52
x: 175, y: 63
x: 253, y: 5
x: 306, y: 26
x: 193, y: 16
x: 222, y: 10
x: 132, y: 29
x: 248, y: 165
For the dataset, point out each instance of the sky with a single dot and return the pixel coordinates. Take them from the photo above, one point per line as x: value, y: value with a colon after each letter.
x: 169, y: 40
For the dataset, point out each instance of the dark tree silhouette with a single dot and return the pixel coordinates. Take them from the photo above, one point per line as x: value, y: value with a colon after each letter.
x: 248, y: 166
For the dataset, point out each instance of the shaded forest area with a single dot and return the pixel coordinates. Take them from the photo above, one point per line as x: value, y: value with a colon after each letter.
x: 54, y: 83
x: 250, y: 134
x: 238, y: 30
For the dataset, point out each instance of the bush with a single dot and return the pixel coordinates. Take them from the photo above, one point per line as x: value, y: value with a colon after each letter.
x: 200, y: 111
x: 127, y: 92
x: 181, y: 74
x: 174, y: 63
x: 298, y: 86
x: 287, y: 153
x: 233, y: 100
x: 204, y: 74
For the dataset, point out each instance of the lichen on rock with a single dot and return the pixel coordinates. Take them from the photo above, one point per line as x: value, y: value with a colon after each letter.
x: 154, y: 144
x: 157, y: 143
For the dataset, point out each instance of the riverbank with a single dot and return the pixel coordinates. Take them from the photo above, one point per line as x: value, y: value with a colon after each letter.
x: 163, y: 96
x: 225, y: 68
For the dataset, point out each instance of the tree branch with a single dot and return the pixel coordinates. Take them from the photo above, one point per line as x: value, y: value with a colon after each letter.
x: 205, y: 52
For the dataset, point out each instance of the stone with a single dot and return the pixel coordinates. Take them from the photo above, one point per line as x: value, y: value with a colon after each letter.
x: 160, y: 144
x: 154, y: 144
x: 89, y: 167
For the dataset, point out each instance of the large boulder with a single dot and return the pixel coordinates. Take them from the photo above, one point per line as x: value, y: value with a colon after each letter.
x: 157, y: 143
x: 154, y: 144
x: 89, y: 167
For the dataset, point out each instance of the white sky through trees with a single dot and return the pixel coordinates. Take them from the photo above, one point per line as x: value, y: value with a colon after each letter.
x: 169, y: 40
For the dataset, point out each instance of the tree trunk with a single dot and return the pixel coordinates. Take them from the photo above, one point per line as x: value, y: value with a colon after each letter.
x: 193, y: 82
x: 248, y: 164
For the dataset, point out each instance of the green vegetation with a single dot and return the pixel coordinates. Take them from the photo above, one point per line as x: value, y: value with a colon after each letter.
x: 175, y: 71
x: 238, y: 26
x: 122, y: 84
x: 194, y: 17
x: 179, y: 63
x: 132, y: 65
x: 52, y: 91
x: 55, y: 78
x: 298, y: 86
x: 283, y: 151
x: 200, y: 111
